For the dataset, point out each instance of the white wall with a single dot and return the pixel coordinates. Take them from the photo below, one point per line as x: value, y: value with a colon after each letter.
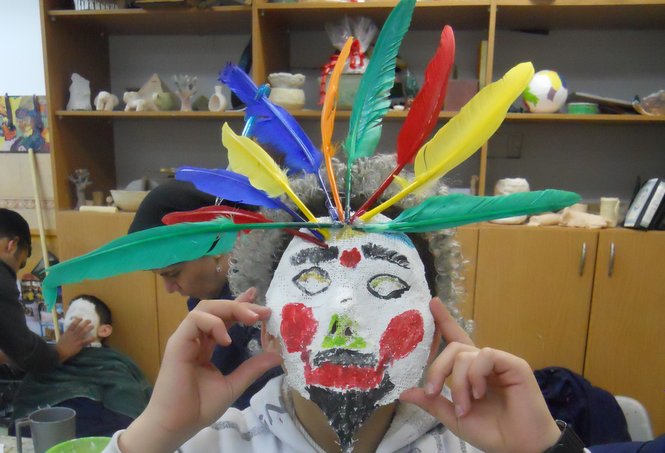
x: 22, y: 70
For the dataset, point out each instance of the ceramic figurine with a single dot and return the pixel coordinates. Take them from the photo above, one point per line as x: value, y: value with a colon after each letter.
x: 200, y: 104
x: 286, y: 90
x: 185, y: 89
x: 166, y: 101
x: 79, y: 93
x: 106, y: 101
x: 133, y: 102
x: 507, y: 186
x: 81, y: 180
x: 218, y: 102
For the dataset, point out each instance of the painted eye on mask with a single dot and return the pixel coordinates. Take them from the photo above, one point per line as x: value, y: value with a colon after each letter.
x: 312, y: 281
x: 386, y: 286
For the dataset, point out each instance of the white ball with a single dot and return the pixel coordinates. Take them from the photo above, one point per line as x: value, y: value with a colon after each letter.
x: 546, y: 92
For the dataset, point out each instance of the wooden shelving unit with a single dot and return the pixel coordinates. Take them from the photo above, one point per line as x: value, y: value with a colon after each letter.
x: 78, y: 41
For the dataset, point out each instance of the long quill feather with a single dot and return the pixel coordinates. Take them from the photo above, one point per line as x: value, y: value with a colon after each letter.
x: 236, y: 215
x: 328, y: 113
x: 465, y: 133
x: 450, y: 211
x: 231, y: 186
x: 148, y: 249
x: 275, y: 128
x: 248, y: 158
x: 423, y: 114
x: 371, y: 102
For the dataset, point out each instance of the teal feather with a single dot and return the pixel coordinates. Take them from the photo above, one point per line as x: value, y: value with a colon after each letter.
x: 454, y: 210
x: 148, y: 249
x: 152, y: 249
x: 371, y: 101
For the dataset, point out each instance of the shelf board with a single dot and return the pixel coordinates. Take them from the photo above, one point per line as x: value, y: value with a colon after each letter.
x: 315, y: 115
x: 148, y: 115
x: 176, y: 21
x: 428, y: 14
x: 576, y: 14
x: 571, y: 118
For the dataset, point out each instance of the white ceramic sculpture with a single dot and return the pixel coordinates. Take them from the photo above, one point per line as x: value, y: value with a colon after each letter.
x: 106, y: 101
x: 133, y: 101
x: 218, y: 102
x: 185, y: 89
x: 572, y: 218
x: 286, y: 90
x: 507, y: 186
x: 79, y: 93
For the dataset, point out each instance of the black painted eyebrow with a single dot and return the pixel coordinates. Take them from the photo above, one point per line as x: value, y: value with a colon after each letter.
x: 315, y: 255
x: 378, y: 252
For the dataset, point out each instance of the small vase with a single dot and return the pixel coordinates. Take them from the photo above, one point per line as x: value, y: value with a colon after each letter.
x: 218, y: 102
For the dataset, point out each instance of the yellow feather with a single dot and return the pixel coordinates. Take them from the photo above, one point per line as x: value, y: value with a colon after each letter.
x: 328, y: 121
x: 248, y: 158
x: 465, y: 133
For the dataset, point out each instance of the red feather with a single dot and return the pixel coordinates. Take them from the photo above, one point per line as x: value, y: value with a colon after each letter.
x: 236, y: 215
x: 208, y: 213
x: 424, y: 112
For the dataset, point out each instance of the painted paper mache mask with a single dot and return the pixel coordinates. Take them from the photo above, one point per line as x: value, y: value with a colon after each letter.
x: 353, y: 320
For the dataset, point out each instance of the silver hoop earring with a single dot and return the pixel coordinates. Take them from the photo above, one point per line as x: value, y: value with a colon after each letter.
x: 218, y: 269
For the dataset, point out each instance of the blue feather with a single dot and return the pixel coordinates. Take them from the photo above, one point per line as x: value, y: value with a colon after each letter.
x: 227, y: 185
x: 275, y: 129
x: 233, y: 187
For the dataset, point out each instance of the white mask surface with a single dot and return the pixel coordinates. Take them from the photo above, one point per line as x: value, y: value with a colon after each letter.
x: 353, y: 321
x: 84, y: 309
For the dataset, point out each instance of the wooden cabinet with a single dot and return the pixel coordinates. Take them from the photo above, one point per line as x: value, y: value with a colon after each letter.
x: 590, y: 301
x: 626, y: 344
x: 533, y: 292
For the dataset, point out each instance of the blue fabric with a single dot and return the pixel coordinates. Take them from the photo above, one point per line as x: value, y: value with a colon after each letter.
x: 592, y: 412
x: 655, y: 446
x: 92, y: 419
x: 227, y: 358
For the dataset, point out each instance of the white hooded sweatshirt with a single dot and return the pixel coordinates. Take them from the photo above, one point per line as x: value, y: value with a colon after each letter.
x: 268, y: 425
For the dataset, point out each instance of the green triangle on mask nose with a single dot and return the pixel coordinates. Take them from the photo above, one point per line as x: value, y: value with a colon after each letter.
x: 342, y: 334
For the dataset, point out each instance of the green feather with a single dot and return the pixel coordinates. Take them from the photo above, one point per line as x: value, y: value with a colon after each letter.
x: 148, y: 249
x: 450, y: 211
x: 371, y: 101
x: 152, y: 249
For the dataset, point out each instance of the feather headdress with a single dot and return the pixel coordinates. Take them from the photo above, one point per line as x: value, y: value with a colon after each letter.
x: 254, y: 177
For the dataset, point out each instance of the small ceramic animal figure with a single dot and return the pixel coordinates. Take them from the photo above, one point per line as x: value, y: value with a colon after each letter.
x: 133, y: 102
x: 106, y: 101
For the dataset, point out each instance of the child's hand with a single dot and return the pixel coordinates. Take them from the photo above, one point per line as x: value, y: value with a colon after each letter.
x: 496, y: 405
x: 190, y: 393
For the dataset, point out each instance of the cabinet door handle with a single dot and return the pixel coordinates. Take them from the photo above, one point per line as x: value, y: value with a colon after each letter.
x: 583, y: 258
x: 610, y: 268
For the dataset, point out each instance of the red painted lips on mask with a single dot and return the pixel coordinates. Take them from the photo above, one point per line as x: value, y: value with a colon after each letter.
x: 400, y: 338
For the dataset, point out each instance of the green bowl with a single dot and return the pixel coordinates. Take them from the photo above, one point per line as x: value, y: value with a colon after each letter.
x: 81, y: 445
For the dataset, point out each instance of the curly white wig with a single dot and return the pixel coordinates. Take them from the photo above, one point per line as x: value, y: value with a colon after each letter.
x: 256, y: 254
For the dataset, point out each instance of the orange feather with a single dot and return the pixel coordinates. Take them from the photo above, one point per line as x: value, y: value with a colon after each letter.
x: 328, y: 122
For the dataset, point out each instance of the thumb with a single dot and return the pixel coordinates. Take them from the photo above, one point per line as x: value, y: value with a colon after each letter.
x: 250, y: 370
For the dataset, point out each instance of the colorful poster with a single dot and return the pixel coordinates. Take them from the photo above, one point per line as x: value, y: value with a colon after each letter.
x: 23, y: 124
